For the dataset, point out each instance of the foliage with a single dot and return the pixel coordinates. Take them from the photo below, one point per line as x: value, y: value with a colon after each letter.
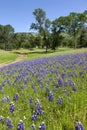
x: 42, y: 24
x: 83, y: 38
x: 5, y: 34
x: 48, y: 34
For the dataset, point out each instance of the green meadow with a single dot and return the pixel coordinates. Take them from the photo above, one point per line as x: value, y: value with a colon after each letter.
x: 10, y: 56
x: 44, y: 89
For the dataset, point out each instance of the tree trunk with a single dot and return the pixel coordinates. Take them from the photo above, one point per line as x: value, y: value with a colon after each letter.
x: 46, y: 48
x: 45, y: 41
x: 74, y: 39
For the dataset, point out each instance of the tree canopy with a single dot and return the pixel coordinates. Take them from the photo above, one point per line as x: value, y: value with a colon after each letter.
x: 70, y: 30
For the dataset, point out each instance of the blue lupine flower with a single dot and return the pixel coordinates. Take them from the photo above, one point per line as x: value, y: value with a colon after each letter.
x: 38, y: 106
x: 39, y: 80
x: 21, y: 125
x: 34, y: 117
x: 63, y: 75
x: 60, y: 82
x: 22, y: 87
x: 25, y: 81
x: 74, y: 88
x: 50, y: 96
x: 81, y: 73
x: 60, y: 100
x: 8, y: 99
x: 79, y: 126
x: 30, y: 100
x: 3, y: 84
x: 2, y: 119
x: 71, y: 83
x: 9, y: 123
x: 39, y: 111
x: 42, y: 126
x: 12, y: 107
x: 47, y: 89
x: 16, y: 97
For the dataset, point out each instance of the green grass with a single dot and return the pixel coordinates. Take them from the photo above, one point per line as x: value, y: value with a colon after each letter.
x: 7, y: 56
x: 39, y: 53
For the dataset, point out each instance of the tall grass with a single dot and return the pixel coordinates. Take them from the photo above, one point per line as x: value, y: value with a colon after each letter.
x: 7, y: 56
x: 39, y: 53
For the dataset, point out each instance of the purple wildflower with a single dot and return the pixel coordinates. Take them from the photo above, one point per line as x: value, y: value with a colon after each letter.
x: 9, y: 123
x: 21, y: 125
x: 30, y: 100
x: 71, y: 83
x: 12, y: 107
x: 1, y: 119
x: 8, y: 99
x: 16, y: 97
x: 39, y: 111
x: 42, y: 126
x: 74, y: 88
x: 60, y: 82
x: 50, y: 96
x: 34, y: 116
x: 47, y: 89
x: 38, y: 106
x: 79, y: 126
x: 22, y: 87
x: 60, y: 100
x: 25, y: 81
x: 63, y: 75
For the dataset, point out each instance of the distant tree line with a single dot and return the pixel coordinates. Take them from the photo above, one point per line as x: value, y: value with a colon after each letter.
x: 70, y: 31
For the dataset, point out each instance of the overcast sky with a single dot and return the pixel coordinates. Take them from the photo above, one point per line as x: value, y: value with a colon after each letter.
x: 18, y: 13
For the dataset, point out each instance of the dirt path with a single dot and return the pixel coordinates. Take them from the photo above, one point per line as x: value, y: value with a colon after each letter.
x: 20, y: 58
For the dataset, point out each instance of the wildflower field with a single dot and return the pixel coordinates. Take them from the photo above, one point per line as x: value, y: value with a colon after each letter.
x: 46, y: 93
